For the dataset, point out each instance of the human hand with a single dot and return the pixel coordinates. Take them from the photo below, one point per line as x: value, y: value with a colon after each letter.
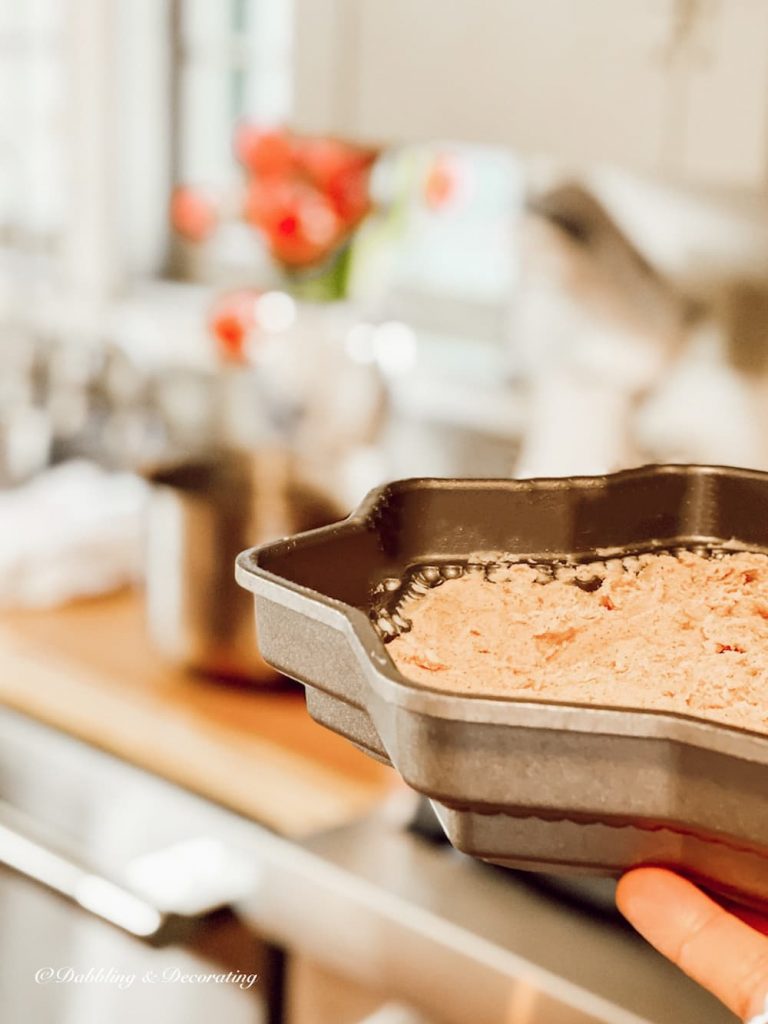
x: 724, y: 950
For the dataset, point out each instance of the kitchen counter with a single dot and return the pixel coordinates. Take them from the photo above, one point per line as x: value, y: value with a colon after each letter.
x: 369, y: 911
x: 89, y: 670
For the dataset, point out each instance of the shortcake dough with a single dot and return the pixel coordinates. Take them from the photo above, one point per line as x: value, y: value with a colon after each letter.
x: 684, y: 632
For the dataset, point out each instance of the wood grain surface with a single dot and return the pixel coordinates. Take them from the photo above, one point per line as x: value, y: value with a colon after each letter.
x: 89, y: 670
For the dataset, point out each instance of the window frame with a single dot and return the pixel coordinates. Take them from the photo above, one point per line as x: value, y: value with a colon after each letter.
x: 118, y: 138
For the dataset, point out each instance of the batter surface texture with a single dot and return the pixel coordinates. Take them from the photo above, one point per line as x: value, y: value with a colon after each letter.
x: 683, y: 632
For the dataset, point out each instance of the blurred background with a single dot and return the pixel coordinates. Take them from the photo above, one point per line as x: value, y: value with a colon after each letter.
x: 257, y: 257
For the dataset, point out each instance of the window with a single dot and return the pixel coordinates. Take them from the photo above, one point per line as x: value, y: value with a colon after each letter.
x: 103, y: 111
x: 234, y: 62
x: 32, y: 102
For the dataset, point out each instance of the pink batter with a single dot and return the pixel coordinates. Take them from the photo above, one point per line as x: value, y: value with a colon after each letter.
x: 685, y: 633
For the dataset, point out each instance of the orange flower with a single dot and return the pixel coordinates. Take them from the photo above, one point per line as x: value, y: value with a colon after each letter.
x: 194, y: 213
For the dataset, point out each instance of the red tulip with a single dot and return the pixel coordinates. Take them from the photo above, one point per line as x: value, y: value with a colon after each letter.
x: 349, y: 192
x: 193, y: 213
x: 264, y: 198
x: 299, y: 223
x: 341, y: 171
x: 322, y: 159
x: 267, y: 153
x: 232, y: 320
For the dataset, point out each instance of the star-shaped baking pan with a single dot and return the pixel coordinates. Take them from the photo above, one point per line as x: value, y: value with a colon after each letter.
x: 528, y: 782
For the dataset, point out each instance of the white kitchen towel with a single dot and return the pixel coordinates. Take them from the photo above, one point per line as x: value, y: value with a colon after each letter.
x: 73, y: 531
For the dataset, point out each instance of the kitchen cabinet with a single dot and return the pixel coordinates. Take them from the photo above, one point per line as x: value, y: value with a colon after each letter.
x: 671, y: 87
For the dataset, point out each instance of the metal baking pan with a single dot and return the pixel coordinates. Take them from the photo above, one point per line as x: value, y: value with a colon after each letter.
x: 528, y: 783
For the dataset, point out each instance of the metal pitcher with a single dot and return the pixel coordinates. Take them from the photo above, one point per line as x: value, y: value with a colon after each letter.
x: 201, y: 514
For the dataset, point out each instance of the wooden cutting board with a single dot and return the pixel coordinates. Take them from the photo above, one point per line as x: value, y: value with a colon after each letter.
x: 89, y: 670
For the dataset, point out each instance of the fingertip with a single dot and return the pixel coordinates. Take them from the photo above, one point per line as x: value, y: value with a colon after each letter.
x: 641, y: 890
x: 646, y: 879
